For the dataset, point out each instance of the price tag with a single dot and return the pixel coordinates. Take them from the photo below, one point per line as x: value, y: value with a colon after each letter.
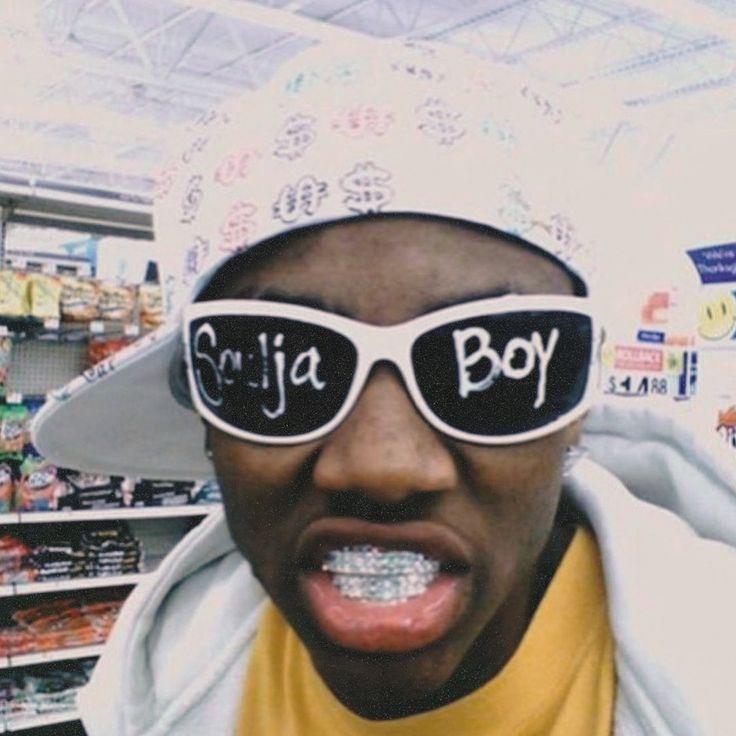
x: 14, y: 397
x: 132, y: 330
x: 49, y: 268
x: 4, y: 331
x: 97, y: 327
x: 51, y: 323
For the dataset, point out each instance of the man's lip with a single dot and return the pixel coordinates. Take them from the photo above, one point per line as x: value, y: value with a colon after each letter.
x: 430, y: 538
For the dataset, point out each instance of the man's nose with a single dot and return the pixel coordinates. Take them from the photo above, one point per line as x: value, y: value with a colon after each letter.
x: 384, y: 450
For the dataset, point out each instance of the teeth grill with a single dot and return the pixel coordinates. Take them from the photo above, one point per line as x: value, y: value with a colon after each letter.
x: 366, y: 573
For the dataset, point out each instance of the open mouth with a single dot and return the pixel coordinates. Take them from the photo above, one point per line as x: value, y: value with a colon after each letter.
x: 367, y: 573
x: 382, y: 587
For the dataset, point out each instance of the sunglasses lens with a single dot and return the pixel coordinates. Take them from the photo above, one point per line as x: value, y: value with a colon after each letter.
x: 270, y: 376
x: 504, y: 374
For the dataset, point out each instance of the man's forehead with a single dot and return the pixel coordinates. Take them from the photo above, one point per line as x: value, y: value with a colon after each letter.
x: 399, y: 266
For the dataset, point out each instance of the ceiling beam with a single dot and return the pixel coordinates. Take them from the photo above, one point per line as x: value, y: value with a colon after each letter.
x: 37, y: 148
x: 691, y: 14
x: 282, y: 20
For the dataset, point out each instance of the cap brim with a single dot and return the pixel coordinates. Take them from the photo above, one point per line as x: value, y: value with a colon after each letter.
x: 120, y: 418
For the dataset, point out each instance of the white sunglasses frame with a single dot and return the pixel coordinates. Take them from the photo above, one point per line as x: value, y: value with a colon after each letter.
x: 392, y: 343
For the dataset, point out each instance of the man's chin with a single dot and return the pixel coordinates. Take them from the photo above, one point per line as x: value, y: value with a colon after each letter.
x: 380, y: 686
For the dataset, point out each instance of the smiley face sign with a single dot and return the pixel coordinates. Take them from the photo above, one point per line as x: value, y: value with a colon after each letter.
x: 717, y: 317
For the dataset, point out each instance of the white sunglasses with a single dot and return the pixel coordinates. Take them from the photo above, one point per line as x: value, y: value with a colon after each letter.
x: 493, y: 371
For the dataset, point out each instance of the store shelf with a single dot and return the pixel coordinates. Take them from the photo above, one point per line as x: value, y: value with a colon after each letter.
x: 136, y: 512
x: 46, y: 719
x: 55, y: 586
x: 55, y: 655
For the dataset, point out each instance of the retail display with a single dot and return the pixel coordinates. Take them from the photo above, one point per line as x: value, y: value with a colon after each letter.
x: 28, y: 483
x: 77, y: 299
x: 63, y: 582
x: 27, y: 693
x: 62, y: 623
x: 103, y: 550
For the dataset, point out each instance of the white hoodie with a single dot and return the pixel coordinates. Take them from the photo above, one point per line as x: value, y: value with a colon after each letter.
x: 662, y: 504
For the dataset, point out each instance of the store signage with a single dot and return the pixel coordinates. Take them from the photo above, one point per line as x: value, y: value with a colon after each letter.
x: 634, y: 358
x: 715, y: 264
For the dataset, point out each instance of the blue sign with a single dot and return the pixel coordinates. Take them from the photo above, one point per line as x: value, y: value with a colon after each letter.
x: 716, y: 264
x: 650, y: 336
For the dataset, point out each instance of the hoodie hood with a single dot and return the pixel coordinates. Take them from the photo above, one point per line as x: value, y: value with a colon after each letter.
x: 662, y: 504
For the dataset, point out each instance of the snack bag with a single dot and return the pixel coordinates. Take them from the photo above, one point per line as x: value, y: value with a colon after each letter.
x: 92, y: 491
x: 13, y: 293
x: 13, y: 430
x: 79, y: 299
x: 117, y: 302
x: 99, y: 349
x: 32, y: 406
x: 7, y: 488
x: 150, y: 302
x: 6, y: 347
x: 45, y: 296
x: 14, y: 565
x: 40, y: 487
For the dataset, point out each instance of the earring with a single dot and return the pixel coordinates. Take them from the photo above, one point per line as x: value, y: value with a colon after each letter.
x: 208, y: 453
x: 570, y: 459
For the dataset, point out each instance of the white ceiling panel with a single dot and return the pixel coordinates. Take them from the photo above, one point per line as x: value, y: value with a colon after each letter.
x: 92, y: 89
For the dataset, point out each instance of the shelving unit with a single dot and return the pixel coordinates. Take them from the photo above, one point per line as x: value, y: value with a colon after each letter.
x: 55, y: 655
x: 60, y: 586
x: 135, y: 512
x: 46, y: 354
x: 39, y: 721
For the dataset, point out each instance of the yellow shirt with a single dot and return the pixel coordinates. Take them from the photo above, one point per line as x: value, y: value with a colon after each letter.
x: 560, y: 681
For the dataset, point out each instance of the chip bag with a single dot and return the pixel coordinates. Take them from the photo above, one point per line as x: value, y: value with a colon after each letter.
x: 79, y: 299
x: 13, y: 420
x: 40, y: 487
x: 150, y: 301
x: 13, y: 293
x: 117, y: 302
x: 45, y: 296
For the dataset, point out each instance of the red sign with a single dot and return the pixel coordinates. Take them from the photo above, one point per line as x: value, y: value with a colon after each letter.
x: 633, y: 358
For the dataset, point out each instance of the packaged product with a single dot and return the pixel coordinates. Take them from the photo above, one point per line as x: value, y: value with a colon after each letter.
x: 13, y: 293
x: 90, y: 491
x: 6, y: 348
x: 40, y: 487
x: 14, y: 642
x: 14, y: 564
x: 13, y: 429
x: 45, y: 296
x: 150, y: 302
x: 79, y: 299
x: 206, y: 492
x: 7, y: 488
x: 162, y: 493
x: 117, y: 302
x: 32, y: 406
x: 111, y: 550
x: 98, y: 348
x: 57, y: 561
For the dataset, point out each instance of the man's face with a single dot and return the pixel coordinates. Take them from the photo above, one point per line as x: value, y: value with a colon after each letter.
x: 386, y: 479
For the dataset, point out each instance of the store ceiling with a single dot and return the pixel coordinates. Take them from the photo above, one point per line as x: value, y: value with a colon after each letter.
x: 91, y: 89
